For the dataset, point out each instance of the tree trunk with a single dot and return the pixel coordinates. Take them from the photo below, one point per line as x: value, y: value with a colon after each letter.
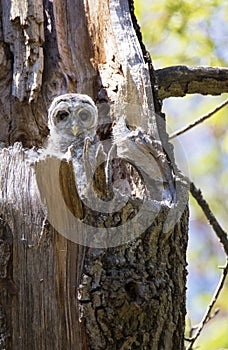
x: 55, y: 293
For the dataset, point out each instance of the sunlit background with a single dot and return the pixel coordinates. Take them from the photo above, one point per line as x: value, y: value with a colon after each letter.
x: 193, y: 33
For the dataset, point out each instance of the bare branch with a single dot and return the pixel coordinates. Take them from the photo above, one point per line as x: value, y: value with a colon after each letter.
x: 221, y: 234
x: 199, y: 120
x: 207, y: 316
x: 181, y: 80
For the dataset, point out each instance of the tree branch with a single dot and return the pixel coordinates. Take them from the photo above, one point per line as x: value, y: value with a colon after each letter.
x: 199, y: 120
x: 223, y: 237
x: 221, y: 234
x: 177, y: 81
x: 207, y: 316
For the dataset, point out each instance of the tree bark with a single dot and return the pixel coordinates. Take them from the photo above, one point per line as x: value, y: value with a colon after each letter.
x: 56, y: 294
x: 177, y: 81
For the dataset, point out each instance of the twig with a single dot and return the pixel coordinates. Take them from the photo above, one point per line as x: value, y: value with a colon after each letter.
x: 199, y: 120
x: 221, y: 234
x: 207, y: 316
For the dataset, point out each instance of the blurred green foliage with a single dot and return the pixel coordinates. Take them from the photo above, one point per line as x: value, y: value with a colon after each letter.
x: 186, y: 31
x: 195, y: 32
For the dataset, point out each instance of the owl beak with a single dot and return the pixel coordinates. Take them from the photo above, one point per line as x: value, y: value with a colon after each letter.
x: 75, y: 130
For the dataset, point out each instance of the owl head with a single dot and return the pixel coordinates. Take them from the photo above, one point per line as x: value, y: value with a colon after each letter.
x: 72, y: 118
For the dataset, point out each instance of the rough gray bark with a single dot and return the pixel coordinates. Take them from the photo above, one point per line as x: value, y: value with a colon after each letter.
x: 56, y: 294
x: 177, y: 81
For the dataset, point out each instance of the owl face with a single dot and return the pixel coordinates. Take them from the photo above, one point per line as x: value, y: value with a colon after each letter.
x: 72, y: 117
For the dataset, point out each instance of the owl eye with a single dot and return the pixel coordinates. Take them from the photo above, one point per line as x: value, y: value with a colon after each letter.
x: 85, y: 116
x: 61, y: 116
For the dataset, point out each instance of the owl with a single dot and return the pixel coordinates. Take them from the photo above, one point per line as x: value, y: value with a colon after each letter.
x: 72, y: 118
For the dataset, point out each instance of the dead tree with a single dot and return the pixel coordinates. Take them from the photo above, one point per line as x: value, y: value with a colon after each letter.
x: 56, y: 294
